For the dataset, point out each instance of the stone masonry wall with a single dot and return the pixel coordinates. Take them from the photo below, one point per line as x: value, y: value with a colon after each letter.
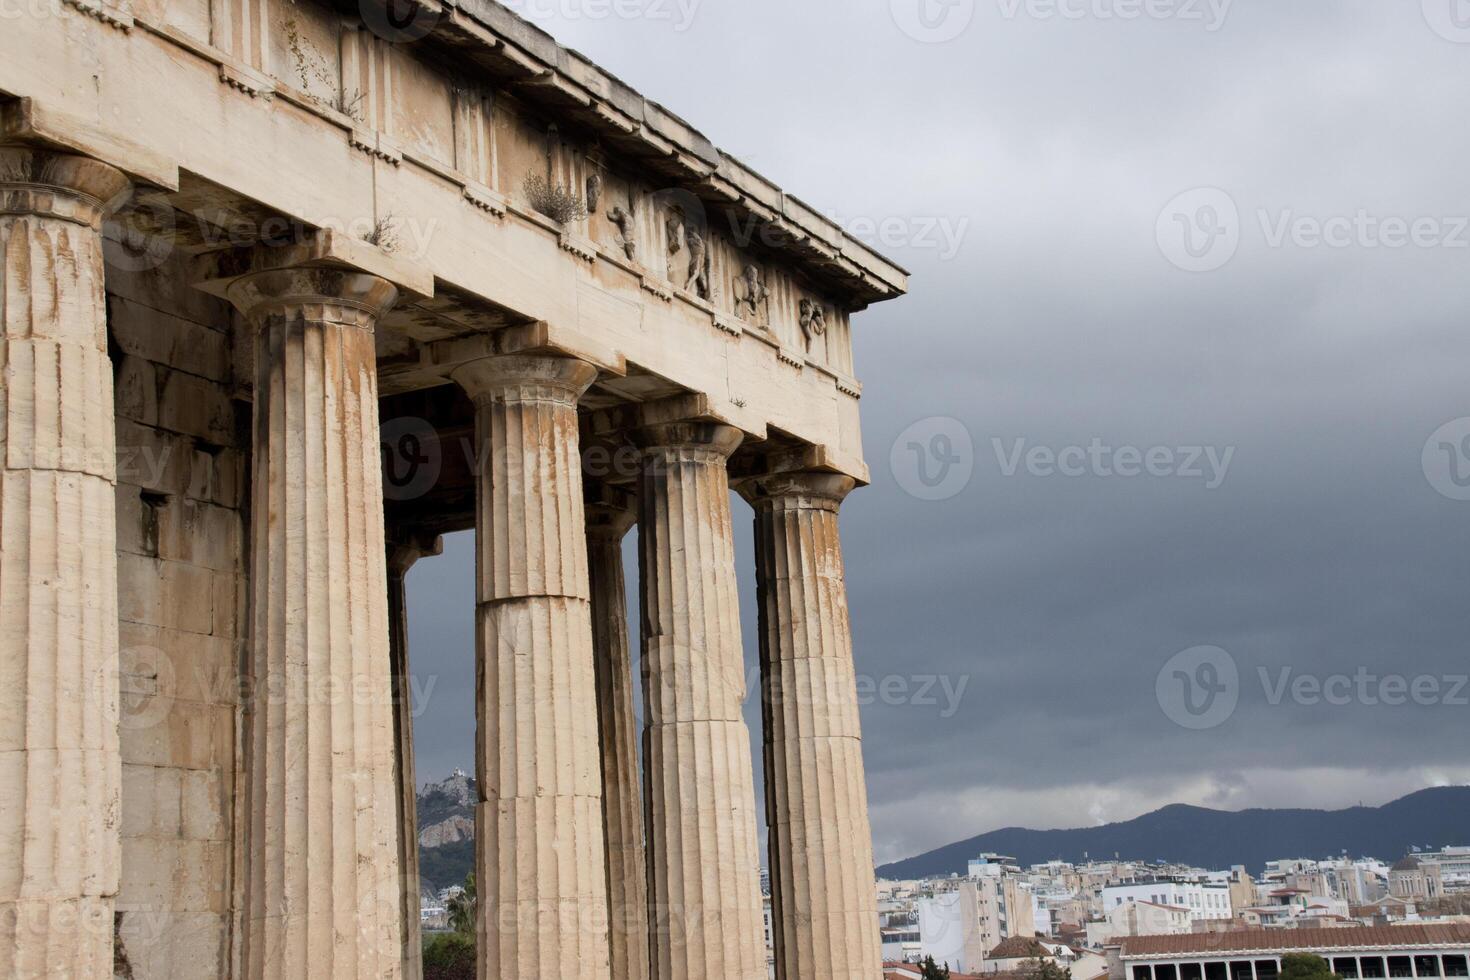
x: 181, y: 494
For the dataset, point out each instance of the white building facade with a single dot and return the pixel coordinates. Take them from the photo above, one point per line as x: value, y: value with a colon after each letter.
x: 1377, y: 953
x: 1204, y: 900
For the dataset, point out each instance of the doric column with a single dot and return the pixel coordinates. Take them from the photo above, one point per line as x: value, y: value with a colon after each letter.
x: 539, y: 842
x: 823, y: 900
x: 703, y: 861
x: 60, y: 763
x: 608, y: 522
x: 323, y: 892
x: 403, y: 554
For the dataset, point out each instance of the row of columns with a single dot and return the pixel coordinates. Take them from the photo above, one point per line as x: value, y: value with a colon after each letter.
x: 581, y: 870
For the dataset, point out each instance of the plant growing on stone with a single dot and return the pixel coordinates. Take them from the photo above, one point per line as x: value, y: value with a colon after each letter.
x: 309, y: 64
x: 384, y: 234
x: 556, y: 202
x: 350, y: 104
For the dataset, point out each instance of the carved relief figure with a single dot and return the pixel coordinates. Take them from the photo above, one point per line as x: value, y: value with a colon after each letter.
x: 674, y: 231
x: 624, y: 222
x: 813, y: 321
x: 698, y: 281
x: 750, y: 296
x: 594, y: 192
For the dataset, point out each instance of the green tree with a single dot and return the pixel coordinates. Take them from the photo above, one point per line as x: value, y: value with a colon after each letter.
x: 1305, y: 966
x: 462, y: 908
x: 930, y: 970
x: 449, y: 956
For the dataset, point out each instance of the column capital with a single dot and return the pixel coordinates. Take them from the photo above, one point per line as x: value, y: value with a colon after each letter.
x: 812, y: 489
x: 525, y: 377
x: 407, y: 550
x: 688, y: 434
x: 325, y: 293
x: 611, y: 511
x: 65, y: 186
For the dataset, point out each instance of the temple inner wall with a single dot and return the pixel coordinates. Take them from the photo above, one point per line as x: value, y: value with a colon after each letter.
x: 183, y: 444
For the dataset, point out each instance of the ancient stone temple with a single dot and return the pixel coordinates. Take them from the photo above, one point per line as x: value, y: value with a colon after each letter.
x: 290, y: 289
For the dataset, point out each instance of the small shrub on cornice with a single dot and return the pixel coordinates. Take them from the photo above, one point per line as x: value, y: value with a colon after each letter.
x: 384, y: 234
x: 556, y: 202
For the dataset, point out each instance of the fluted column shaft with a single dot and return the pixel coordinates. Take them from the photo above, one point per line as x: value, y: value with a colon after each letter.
x: 703, y: 861
x: 622, y: 803
x: 60, y: 762
x: 323, y: 893
x: 402, y: 556
x: 539, y: 842
x: 823, y: 900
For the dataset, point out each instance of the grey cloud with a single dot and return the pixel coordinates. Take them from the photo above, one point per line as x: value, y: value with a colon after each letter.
x: 1059, y: 320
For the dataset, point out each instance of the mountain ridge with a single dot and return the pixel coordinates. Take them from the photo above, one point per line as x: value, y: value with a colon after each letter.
x: 446, y: 821
x: 1217, y: 839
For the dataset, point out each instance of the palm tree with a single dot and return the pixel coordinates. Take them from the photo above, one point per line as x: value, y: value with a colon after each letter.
x: 462, y: 908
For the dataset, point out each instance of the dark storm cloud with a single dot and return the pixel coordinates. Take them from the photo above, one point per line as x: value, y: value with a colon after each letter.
x: 1051, y: 146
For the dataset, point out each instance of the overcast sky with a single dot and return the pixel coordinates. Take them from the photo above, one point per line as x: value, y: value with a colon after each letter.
x: 1038, y: 174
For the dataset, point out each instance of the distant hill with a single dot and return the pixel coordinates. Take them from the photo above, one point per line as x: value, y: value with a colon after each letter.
x: 446, y: 831
x: 1218, y: 839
